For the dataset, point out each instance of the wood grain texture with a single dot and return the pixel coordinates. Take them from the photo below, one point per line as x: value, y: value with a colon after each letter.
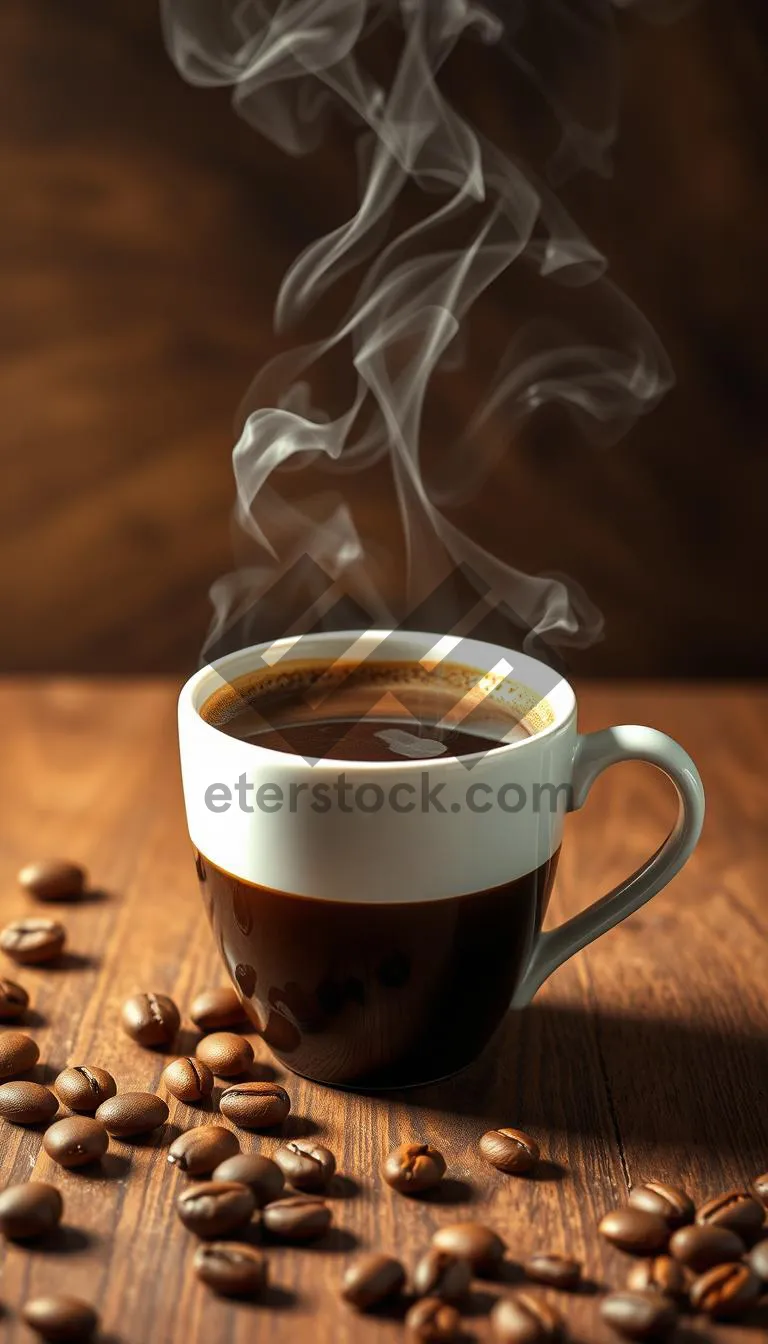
x: 644, y: 1056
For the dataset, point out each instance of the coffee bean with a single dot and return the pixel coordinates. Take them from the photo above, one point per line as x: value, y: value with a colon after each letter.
x: 556, y: 1271
x: 255, y: 1105
x: 263, y: 1176
x: 14, y: 1001
x: 29, y: 1210
x: 760, y: 1187
x: 372, y: 1279
x: 214, y: 1208
x: 307, y: 1165
x: 413, y: 1168
x: 441, y: 1274
x: 474, y: 1242
x: 661, y: 1274
x: 737, y: 1210
x: 188, y: 1079
x: 215, y: 1009
x: 726, y: 1291
x: 150, y: 1019
x: 510, y: 1150
x: 639, y: 1315
x: 60, y: 1317
x: 83, y: 1088
x: 27, y: 1103
x: 226, y: 1054
x: 758, y: 1260
x: 432, y: 1319
x: 635, y: 1231
x: 522, y: 1318
x: 198, y: 1151
x: 699, y: 1247
x: 32, y: 942
x: 669, y: 1201
x: 53, y: 879
x: 132, y: 1113
x: 18, y: 1053
x: 232, y: 1269
x: 75, y: 1141
x: 297, y: 1218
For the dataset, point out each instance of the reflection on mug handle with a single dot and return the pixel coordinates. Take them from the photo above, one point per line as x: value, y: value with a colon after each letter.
x: 594, y: 753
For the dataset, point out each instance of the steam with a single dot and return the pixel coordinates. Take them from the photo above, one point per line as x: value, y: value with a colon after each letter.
x: 290, y: 63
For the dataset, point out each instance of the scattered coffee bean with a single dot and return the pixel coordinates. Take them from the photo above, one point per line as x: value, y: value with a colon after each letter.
x: 132, y: 1113
x: 232, y: 1269
x: 635, y: 1231
x: 254, y: 1105
x: 433, y: 1319
x: 29, y: 1210
x: 76, y: 1140
x: 760, y: 1187
x: 27, y: 1103
x: 31, y: 942
x: 307, y: 1165
x: 18, y: 1053
x: 556, y: 1271
x: 60, y: 1317
x: 297, y: 1218
x: 737, y: 1210
x: 150, y: 1019
x: 83, y: 1088
x: 214, y: 1208
x: 639, y: 1315
x: 522, y: 1318
x: 701, y: 1247
x: 474, y: 1242
x: 669, y: 1201
x: 226, y: 1054
x: 53, y: 879
x: 198, y: 1151
x: 216, y: 1009
x: 758, y: 1260
x: 413, y: 1168
x: 188, y: 1079
x: 510, y: 1150
x: 14, y: 1001
x: 372, y: 1279
x: 726, y: 1291
x: 263, y: 1176
x: 441, y: 1274
x: 660, y: 1274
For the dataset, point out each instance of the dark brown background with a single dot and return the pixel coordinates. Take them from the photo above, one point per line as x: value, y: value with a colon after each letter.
x: 143, y: 233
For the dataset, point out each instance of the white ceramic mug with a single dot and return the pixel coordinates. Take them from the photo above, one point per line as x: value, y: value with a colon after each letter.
x: 352, y: 919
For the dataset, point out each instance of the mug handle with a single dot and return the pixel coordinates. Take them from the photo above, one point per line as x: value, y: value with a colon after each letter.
x: 594, y: 752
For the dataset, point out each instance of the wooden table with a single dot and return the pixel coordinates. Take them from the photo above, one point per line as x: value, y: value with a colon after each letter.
x: 645, y: 1056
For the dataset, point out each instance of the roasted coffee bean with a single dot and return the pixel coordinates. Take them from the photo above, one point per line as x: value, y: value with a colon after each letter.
x: 60, y: 1317
x: 232, y: 1269
x: 214, y: 1208
x: 522, y: 1318
x: 188, y: 1079
x: 737, y: 1210
x: 441, y: 1274
x: 32, y: 942
x: 639, y: 1315
x: 474, y: 1242
x: 372, y: 1279
x: 701, y: 1247
x: 660, y: 1274
x: 29, y: 1210
x: 53, y: 879
x: 726, y: 1291
x: 413, y: 1168
x: 297, y: 1218
x: 260, y: 1174
x: 18, y: 1053
x: 556, y: 1271
x: 216, y: 1009
x: 758, y: 1260
x: 27, y: 1103
x: 198, y: 1151
x: 150, y: 1019
x: 76, y: 1140
x: 669, y: 1201
x: 510, y: 1150
x: 132, y: 1113
x: 83, y: 1088
x: 226, y: 1054
x: 254, y: 1105
x: 14, y: 1001
x: 307, y: 1165
x: 635, y: 1231
x: 760, y: 1187
x: 433, y: 1319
